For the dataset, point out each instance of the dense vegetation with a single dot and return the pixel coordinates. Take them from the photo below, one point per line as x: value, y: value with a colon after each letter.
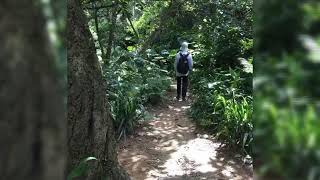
x: 221, y: 82
x: 133, y: 82
x: 286, y: 95
x: 146, y: 36
x: 148, y: 33
x: 135, y: 43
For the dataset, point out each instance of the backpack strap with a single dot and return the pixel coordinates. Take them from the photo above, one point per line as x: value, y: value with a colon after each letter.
x: 181, y: 55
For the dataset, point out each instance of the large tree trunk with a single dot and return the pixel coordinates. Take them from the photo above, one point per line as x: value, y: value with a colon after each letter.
x: 32, y: 125
x: 90, y: 129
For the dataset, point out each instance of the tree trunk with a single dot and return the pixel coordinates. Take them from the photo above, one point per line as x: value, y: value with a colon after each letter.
x: 32, y: 126
x: 90, y: 129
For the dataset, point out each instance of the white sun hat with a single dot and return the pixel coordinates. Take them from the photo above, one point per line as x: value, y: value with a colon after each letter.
x: 184, y: 46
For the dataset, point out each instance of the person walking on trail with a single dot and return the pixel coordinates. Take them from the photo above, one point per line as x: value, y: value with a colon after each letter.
x: 183, y: 66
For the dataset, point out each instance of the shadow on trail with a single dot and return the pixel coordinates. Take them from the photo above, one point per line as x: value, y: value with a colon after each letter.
x: 169, y: 147
x: 194, y: 176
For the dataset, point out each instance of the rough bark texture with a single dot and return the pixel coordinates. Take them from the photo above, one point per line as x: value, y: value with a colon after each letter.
x: 90, y: 130
x: 32, y: 125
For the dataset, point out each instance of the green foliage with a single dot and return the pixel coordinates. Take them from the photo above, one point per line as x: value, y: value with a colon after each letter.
x: 286, y: 88
x: 223, y: 105
x: 311, y: 18
x: 220, y: 32
x: 148, y: 21
x: 223, y: 102
x: 286, y: 131
x: 292, y: 140
x: 82, y: 169
x: 226, y: 31
x: 133, y: 82
x: 286, y: 96
x: 227, y: 46
x: 277, y: 25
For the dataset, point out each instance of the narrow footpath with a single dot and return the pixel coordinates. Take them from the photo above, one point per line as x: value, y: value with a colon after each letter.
x: 170, y: 147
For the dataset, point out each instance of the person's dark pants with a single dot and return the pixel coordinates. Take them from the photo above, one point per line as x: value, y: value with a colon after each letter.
x: 182, y: 80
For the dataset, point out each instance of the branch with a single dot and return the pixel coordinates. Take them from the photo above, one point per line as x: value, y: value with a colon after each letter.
x: 131, y: 24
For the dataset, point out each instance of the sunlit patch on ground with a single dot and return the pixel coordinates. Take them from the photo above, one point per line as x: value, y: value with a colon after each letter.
x: 168, y: 148
x: 192, y: 157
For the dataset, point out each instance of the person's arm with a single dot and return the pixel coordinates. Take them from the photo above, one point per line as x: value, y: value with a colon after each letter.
x: 176, y: 61
x: 190, y: 62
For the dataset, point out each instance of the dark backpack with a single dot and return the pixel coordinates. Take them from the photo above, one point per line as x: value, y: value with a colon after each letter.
x: 183, y: 65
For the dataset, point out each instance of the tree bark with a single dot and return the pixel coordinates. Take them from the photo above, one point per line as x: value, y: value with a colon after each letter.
x: 90, y: 129
x: 32, y: 125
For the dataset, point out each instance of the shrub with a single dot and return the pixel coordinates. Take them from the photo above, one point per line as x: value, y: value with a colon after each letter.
x: 223, y: 105
x: 133, y: 82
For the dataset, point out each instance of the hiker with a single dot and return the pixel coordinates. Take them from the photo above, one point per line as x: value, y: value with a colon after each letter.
x: 183, y: 66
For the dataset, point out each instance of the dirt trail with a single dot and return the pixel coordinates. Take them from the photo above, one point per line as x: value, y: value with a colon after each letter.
x: 169, y: 147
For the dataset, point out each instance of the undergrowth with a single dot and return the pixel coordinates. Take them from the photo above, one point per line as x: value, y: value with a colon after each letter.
x: 133, y: 82
x: 223, y: 105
